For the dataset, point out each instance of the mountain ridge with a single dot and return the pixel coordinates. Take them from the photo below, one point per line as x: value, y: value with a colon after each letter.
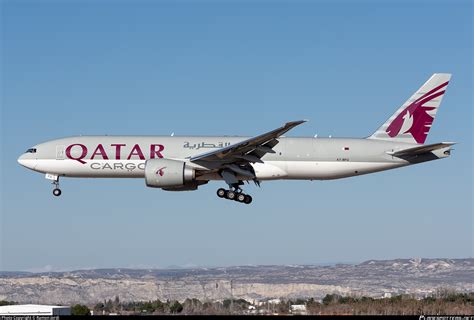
x: 375, y: 278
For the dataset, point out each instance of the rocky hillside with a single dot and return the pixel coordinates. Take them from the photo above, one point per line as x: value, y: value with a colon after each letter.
x: 372, y: 278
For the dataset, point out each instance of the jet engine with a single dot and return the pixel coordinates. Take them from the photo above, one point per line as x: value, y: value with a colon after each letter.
x: 169, y: 174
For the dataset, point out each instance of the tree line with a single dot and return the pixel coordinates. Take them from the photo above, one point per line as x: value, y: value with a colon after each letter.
x: 442, y: 303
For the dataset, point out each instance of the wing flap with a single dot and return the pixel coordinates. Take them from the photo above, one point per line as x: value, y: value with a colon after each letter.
x: 235, y: 168
x: 250, y: 158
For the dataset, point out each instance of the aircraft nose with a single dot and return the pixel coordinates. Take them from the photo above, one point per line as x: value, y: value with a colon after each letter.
x: 21, y: 160
x: 27, y: 162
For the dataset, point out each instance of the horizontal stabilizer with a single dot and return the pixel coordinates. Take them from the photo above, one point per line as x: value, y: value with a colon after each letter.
x: 421, y: 149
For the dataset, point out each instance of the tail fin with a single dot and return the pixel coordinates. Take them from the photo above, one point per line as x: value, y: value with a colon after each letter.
x: 412, y: 121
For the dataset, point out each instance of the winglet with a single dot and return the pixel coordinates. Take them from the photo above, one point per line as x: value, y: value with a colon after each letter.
x: 295, y: 123
x: 290, y: 125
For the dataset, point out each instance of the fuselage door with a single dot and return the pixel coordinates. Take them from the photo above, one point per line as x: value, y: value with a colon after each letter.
x: 60, y: 153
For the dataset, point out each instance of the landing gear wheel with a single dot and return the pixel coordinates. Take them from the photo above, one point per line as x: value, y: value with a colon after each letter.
x: 57, y: 192
x: 240, y: 197
x: 248, y: 199
x: 221, y: 193
x: 230, y: 195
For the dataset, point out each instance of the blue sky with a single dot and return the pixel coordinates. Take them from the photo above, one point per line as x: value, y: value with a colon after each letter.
x: 231, y: 68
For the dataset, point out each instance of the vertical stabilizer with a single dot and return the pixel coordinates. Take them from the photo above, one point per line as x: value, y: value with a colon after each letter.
x: 413, y: 120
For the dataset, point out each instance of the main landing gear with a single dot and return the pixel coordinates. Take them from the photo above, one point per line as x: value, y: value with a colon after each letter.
x: 236, y: 195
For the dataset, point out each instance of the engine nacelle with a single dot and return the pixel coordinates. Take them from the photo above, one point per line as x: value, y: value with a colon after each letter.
x: 167, y: 173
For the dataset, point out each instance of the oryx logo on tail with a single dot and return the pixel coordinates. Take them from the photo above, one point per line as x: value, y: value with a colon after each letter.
x: 413, y: 120
x: 416, y: 118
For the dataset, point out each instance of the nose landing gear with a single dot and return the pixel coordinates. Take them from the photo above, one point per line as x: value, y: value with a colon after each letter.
x: 236, y: 195
x: 57, y: 192
x: 55, y: 183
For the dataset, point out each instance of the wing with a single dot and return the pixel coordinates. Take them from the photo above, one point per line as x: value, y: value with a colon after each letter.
x: 244, y: 152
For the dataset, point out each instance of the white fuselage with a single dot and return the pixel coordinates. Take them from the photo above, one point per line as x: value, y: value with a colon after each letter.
x: 294, y: 158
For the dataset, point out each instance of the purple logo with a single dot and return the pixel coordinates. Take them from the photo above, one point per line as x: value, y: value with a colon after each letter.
x: 161, y: 171
x: 415, y: 119
x: 136, y: 151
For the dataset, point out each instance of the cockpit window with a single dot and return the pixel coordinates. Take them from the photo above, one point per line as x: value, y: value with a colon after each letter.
x: 31, y: 150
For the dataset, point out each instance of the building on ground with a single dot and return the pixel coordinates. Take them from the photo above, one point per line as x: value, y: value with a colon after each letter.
x: 298, y: 309
x: 34, y: 310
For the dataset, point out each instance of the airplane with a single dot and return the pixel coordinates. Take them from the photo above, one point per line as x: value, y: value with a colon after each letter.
x: 183, y: 163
